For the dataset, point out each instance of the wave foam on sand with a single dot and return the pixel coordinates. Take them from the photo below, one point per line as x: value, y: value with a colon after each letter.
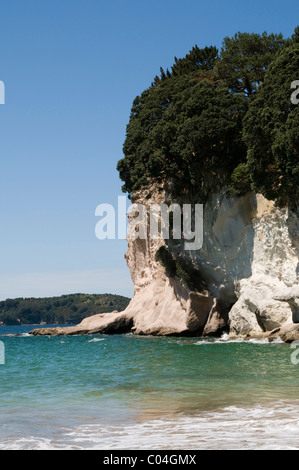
x: 271, y: 427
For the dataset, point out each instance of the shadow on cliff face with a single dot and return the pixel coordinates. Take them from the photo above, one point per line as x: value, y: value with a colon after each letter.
x: 225, y: 257
x: 293, y: 229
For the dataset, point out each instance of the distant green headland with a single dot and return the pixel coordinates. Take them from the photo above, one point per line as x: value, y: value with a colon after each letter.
x: 66, y: 309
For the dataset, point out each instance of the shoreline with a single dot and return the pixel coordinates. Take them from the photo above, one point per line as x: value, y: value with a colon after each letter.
x: 287, y: 333
x: 234, y: 427
x: 122, y: 323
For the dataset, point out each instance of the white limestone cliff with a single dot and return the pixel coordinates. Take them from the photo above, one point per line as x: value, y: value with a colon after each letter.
x: 249, y: 262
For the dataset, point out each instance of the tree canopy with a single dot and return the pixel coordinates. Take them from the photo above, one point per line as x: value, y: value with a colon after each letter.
x: 218, y: 119
x: 271, y: 131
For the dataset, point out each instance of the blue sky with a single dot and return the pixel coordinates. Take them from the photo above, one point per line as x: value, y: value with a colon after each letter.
x: 71, y: 69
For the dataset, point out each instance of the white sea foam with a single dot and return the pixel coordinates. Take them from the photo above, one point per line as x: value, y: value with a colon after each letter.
x: 271, y: 427
x: 225, y: 339
x: 95, y: 340
x: 21, y: 335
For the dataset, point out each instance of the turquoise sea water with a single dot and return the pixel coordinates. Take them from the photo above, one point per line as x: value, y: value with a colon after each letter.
x: 130, y: 392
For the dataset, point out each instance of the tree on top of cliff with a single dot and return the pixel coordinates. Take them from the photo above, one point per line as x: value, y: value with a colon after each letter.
x: 295, y: 37
x: 185, y: 133
x: 186, y: 130
x: 245, y: 59
x: 271, y: 131
x: 203, y: 58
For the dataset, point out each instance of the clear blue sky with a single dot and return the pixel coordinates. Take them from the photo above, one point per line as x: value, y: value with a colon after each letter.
x: 72, y: 69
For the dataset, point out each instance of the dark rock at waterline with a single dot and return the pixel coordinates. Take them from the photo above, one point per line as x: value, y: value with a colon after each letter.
x: 108, y: 323
x: 289, y: 332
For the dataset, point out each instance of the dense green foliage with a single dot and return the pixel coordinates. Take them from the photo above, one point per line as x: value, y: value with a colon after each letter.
x: 245, y: 58
x: 218, y: 119
x: 67, y: 309
x: 271, y: 131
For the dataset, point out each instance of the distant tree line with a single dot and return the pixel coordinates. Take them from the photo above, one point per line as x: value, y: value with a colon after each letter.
x: 219, y: 118
x: 66, y: 309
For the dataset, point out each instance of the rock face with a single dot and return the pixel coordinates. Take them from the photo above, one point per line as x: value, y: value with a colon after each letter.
x: 269, y: 297
x: 107, y: 323
x: 249, y: 262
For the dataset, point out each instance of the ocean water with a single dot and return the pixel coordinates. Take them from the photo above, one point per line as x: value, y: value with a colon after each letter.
x: 130, y: 392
